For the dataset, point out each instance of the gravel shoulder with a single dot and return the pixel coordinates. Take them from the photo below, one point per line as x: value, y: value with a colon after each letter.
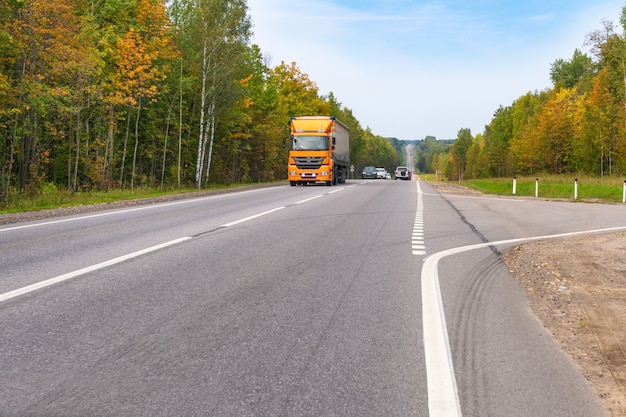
x: 576, y: 287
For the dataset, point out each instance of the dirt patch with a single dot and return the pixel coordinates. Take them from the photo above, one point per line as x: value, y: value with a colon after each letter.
x: 576, y: 286
x: 451, y: 188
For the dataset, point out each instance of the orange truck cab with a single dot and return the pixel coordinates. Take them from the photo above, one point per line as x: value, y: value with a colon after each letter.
x: 319, y: 151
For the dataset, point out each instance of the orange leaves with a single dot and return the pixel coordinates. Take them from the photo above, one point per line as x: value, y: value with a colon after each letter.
x: 137, y: 72
x: 140, y: 53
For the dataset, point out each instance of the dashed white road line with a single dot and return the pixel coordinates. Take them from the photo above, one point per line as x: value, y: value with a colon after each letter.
x: 60, y: 278
x: 126, y: 210
x: 417, y: 242
x: 42, y: 284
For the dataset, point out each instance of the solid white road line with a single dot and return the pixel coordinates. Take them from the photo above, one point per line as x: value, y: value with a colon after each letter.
x: 443, y: 400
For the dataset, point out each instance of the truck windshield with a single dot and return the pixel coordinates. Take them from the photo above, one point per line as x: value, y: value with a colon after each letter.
x: 310, y: 143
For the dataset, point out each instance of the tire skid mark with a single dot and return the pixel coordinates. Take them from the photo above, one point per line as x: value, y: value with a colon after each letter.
x: 469, y: 336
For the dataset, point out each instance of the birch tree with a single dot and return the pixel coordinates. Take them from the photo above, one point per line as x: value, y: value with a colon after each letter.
x: 220, y: 30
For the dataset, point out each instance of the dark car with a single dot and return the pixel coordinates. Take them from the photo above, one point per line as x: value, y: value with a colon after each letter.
x: 368, y: 173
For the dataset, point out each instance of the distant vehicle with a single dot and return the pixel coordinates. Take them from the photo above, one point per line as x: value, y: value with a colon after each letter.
x: 402, y: 173
x: 381, y: 173
x: 387, y: 176
x: 368, y: 173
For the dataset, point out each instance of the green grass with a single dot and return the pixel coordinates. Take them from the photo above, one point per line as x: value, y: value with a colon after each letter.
x: 52, y: 198
x: 553, y: 186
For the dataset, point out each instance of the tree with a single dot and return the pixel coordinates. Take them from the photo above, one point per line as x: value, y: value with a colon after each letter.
x: 477, y: 163
x: 526, y: 146
x: 497, y: 140
x: 567, y: 74
x: 262, y: 144
x: 459, y: 151
x: 139, y: 57
x: 559, y: 127
x: 297, y: 94
x: 610, y: 48
x: 602, y: 125
x: 220, y: 30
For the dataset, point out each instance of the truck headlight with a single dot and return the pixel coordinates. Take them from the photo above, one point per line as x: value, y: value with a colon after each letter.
x: 292, y: 173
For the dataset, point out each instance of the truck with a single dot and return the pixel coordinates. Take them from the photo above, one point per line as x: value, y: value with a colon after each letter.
x: 319, y: 151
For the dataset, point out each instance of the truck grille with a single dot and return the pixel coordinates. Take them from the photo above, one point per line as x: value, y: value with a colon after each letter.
x: 308, y: 162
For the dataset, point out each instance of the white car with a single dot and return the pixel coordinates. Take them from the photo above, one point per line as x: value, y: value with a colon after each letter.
x: 403, y: 173
x: 381, y: 173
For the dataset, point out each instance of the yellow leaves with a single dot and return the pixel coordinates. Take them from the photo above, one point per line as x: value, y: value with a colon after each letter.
x: 247, y: 102
x: 562, y: 114
x: 245, y: 81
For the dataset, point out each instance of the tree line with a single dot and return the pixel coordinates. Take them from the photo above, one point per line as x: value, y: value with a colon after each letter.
x: 576, y: 126
x: 102, y: 94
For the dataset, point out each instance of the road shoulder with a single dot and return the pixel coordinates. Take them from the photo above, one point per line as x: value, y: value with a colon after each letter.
x: 576, y: 287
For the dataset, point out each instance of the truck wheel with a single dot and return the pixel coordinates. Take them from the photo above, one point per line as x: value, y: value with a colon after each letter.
x: 293, y: 183
x: 342, y: 176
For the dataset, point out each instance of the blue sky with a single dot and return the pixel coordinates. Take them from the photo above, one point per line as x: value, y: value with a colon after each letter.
x: 409, y: 69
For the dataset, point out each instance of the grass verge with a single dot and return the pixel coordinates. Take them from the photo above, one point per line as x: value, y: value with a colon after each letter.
x: 553, y: 186
x: 52, y: 198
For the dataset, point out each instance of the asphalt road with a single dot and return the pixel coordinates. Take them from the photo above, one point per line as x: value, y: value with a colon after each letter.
x: 290, y: 301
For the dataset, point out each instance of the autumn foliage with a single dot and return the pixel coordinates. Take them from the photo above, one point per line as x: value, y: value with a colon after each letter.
x: 576, y: 126
x: 146, y: 93
x: 101, y: 94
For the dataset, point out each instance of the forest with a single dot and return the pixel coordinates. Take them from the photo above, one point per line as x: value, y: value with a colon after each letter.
x: 578, y: 126
x: 103, y: 94
x: 122, y: 94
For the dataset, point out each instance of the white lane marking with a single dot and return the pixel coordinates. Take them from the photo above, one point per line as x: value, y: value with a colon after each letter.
x: 309, y: 199
x: 60, y: 278
x: 101, y: 265
x: 129, y: 210
x: 443, y: 399
x: 245, y: 219
x: 92, y: 268
x: 417, y: 238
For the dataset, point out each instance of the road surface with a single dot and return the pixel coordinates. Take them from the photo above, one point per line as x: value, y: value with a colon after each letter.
x: 294, y: 301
